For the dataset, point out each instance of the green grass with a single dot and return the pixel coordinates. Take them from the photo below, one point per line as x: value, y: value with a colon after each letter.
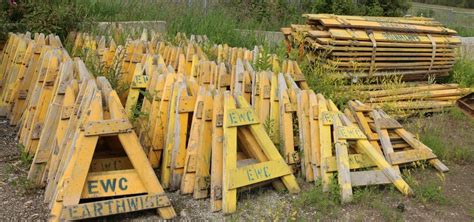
x: 460, y: 116
x: 431, y: 192
x: 374, y: 197
x: 445, y: 151
x: 427, y: 190
x: 364, y: 195
x: 448, y: 134
x: 462, y: 30
x: 15, y: 173
x: 271, y: 130
x: 387, y: 212
x: 471, y: 212
x: 18, y: 177
x: 25, y: 158
x: 326, y: 80
x: 218, y: 22
x: 322, y: 80
x: 463, y: 72
x: 324, y: 203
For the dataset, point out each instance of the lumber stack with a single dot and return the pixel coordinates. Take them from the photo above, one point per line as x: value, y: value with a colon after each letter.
x: 405, y: 100
x: 363, y: 46
x: 211, y: 128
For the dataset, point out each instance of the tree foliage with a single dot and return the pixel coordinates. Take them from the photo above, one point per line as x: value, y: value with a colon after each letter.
x: 283, y: 10
x: 53, y: 16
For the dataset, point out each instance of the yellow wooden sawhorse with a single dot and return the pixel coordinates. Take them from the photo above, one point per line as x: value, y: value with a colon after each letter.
x: 273, y: 167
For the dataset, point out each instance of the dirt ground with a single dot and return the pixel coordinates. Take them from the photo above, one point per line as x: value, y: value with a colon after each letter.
x: 438, y: 197
x: 17, y: 202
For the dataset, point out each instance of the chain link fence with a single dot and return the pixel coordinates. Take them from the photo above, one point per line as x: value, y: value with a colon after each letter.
x: 450, y: 16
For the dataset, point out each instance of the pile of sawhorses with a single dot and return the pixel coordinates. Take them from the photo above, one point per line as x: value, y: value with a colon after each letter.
x: 210, y: 127
x: 84, y: 149
x: 293, y: 116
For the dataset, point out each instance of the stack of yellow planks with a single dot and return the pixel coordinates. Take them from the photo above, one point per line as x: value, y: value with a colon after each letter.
x: 406, y: 100
x: 362, y: 46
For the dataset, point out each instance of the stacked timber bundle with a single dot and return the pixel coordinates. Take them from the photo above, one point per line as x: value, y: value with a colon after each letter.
x: 406, y: 100
x: 211, y: 128
x: 362, y: 46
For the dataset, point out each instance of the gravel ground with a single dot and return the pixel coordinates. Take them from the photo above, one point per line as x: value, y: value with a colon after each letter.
x: 19, y: 201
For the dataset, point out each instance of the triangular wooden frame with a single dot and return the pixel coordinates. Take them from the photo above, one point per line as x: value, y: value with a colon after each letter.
x: 77, y: 182
x: 343, y: 131
x: 271, y: 165
x: 384, y: 127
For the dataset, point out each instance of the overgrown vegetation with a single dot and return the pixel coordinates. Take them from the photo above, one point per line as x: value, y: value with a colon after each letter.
x: 426, y: 190
x: 263, y: 62
x: 18, y: 172
x: 219, y: 19
x: 448, y: 135
x: 25, y: 157
x: 372, y: 197
x: 325, y: 79
x: 271, y: 130
x: 58, y: 17
x: 323, y: 202
x: 20, y: 180
x: 322, y: 79
x: 463, y: 72
x: 445, y: 151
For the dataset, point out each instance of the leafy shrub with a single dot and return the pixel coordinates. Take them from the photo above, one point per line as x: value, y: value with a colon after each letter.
x: 54, y: 16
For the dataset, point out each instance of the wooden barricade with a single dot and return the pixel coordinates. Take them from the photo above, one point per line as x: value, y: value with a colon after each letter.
x: 84, y: 148
x: 51, y: 121
x: 239, y: 118
x: 18, y: 49
x: 354, y: 169
x: 386, y: 129
x: 84, y: 180
x: 24, y: 82
x: 137, y: 89
x: 211, y: 128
